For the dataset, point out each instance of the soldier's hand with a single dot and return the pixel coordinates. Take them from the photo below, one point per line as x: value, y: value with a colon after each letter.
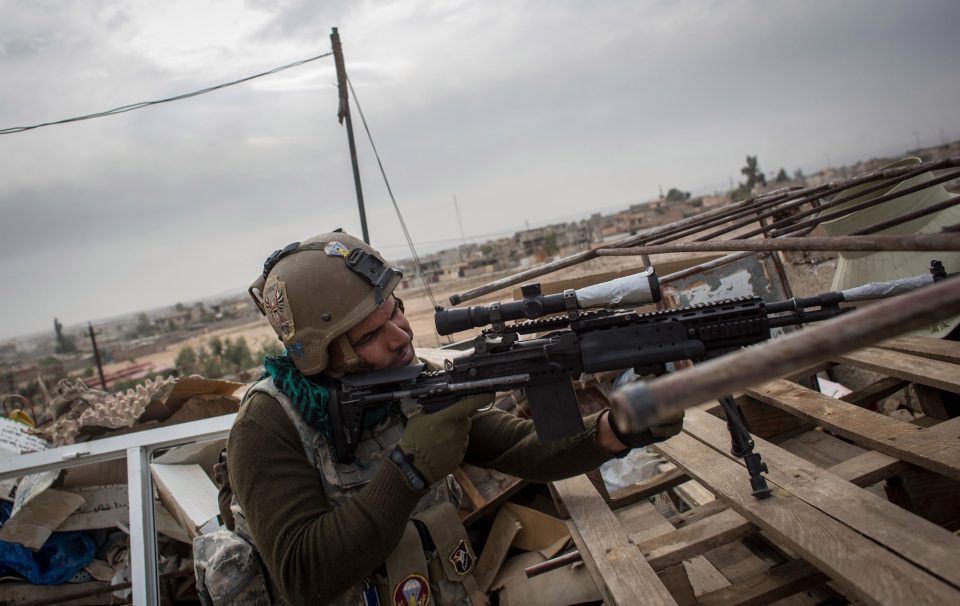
x: 652, y: 434
x: 436, y: 442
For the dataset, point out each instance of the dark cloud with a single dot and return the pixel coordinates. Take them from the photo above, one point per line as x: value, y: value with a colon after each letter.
x: 524, y: 111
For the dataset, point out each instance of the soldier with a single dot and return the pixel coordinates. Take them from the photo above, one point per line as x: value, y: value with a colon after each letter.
x: 384, y: 528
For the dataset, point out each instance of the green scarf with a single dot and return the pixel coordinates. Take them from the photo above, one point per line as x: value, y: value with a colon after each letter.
x: 310, y: 395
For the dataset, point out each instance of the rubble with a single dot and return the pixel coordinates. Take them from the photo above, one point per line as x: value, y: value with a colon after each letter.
x: 67, y: 529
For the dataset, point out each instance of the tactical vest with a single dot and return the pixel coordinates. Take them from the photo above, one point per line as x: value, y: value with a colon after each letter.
x: 431, y: 566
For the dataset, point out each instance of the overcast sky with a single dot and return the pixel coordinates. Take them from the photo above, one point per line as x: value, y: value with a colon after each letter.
x: 527, y: 112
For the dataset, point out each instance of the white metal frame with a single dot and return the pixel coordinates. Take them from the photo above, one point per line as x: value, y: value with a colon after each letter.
x: 137, y: 448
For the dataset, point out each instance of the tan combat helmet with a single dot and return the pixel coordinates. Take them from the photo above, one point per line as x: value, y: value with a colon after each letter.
x: 314, y: 291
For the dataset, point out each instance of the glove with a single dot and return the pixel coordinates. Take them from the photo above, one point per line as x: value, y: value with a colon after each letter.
x: 652, y: 434
x: 435, y: 443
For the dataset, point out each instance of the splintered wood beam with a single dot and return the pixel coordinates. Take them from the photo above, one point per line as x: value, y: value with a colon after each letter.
x: 619, y: 571
x: 917, y: 369
x: 895, y: 438
x: 863, y: 568
x: 923, y: 543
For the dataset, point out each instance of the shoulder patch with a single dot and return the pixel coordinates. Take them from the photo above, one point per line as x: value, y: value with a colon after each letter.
x: 413, y: 590
x: 461, y: 559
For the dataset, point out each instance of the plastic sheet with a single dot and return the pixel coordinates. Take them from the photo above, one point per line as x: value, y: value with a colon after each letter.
x: 60, y: 558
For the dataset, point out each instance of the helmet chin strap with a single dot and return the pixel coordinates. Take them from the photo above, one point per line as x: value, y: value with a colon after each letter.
x: 349, y: 361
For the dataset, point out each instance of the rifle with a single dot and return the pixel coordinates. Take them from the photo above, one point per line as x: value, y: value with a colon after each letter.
x: 585, y: 336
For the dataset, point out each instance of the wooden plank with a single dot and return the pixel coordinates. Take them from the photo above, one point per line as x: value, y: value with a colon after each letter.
x: 820, y: 448
x: 937, y: 349
x: 737, y: 562
x: 863, y: 568
x: 774, y: 584
x: 925, y: 544
x: 469, y: 489
x: 936, y: 403
x: 619, y: 571
x: 935, y: 373
x: 678, y: 584
x: 647, y: 488
x: 869, y: 468
x: 764, y: 420
x: 643, y: 522
x: 694, y: 539
x: 872, y: 467
x: 869, y: 396
x: 892, y: 437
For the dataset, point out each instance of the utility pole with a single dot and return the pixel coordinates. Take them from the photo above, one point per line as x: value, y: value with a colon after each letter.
x: 343, y: 113
x: 96, y: 356
x: 463, y: 241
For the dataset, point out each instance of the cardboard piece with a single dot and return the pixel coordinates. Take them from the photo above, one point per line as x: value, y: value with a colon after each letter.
x: 505, y: 527
x: 204, y: 454
x: 103, y: 473
x: 189, y: 494
x: 539, y: 532
x: 109, y: 507
x: 168, y: 526
x: 103, y: 507
x: 31, y: 526
x: 185, y: 389
x: 560, y: 587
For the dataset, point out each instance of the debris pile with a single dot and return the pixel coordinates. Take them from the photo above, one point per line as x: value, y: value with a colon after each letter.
x: 66, y: 532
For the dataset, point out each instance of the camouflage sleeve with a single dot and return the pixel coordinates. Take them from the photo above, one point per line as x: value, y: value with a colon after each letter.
x: 313, y: 552
x: 502, y: 441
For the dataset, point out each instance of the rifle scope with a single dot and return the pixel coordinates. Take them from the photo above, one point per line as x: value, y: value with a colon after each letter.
x: 629, y: 291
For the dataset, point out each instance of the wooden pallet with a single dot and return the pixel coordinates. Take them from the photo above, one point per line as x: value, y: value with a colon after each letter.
x: 827, y: 531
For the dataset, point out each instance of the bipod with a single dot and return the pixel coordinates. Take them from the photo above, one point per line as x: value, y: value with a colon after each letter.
x: 742, y: 447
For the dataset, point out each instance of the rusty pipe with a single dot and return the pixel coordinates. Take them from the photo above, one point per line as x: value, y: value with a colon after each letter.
x: 640, y: 405
x: 918, y: 242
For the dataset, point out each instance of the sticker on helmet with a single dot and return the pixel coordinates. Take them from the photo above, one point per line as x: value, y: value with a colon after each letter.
x: 336, y: 249
x: 278, y: 311
x: 413, y: 590
x: 461, y: 558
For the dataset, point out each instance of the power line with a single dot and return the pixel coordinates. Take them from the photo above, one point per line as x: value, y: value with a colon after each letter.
x: 403, y: 224
x: 129, y: 108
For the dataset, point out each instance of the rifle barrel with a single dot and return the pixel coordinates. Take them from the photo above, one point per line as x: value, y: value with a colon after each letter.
x: 639, y: 405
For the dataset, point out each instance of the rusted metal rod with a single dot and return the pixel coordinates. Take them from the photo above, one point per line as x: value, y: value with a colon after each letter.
x: 640, y: 405
x: 822, y: 218
x: 708, y: 265
x: 747, y: 207
x: 918, y: 242
x: 923, y: 212
x: 747, y: 216
x: 825, y: 190
x: 557, y: 562
x: 750, y: 207
x: 712, y: 264
x: 838, y: 187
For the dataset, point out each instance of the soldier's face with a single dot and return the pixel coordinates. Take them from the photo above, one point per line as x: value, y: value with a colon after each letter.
x: 383, y: 339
